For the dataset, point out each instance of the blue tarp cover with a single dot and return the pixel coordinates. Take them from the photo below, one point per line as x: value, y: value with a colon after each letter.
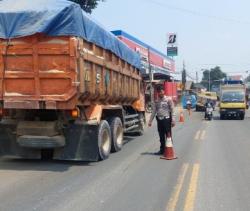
x: 20, y: 18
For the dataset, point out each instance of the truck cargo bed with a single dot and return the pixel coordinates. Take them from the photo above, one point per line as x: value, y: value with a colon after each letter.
x: 42, y: 72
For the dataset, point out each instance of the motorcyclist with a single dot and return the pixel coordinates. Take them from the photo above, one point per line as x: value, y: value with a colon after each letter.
x: 208, y: 104
x: 189, y: 104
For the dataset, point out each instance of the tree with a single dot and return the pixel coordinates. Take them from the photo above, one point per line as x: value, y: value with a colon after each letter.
x: 215, y: 76
x: 87, y: 5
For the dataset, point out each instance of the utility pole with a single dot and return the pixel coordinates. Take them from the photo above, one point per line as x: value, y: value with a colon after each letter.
x: 151, y: 78
x: 209, y: 82
x: 197, y: 79
x: 184, y: 75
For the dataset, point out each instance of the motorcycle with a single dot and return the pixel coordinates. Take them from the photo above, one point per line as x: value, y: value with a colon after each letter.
x: 209, y: 113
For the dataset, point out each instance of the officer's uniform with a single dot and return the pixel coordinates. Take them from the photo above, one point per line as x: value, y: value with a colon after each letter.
x: 163, y: 109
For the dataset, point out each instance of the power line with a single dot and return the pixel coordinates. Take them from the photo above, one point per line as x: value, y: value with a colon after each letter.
x: 196, y: 13
x: 239, y: 64
x: 187, y: 73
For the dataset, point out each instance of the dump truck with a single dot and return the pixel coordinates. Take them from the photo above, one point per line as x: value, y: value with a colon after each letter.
x: 69, y: 89
x: 233, y: 101
x: 204, y: 97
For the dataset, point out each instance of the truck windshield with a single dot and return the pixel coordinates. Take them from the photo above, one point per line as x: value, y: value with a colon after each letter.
x: 233, y: 96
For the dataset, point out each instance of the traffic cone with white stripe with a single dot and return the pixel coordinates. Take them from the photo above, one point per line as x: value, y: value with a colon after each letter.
x: 169, y: 149
x: 181, y: 117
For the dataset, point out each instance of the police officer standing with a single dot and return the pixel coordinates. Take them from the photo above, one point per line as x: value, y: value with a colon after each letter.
x: 163, y: 109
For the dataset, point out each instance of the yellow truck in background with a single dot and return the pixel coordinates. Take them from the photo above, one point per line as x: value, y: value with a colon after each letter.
x: 233, y: 102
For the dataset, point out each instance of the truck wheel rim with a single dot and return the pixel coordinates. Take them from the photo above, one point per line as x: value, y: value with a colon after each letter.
x: 105, y: 142
x: 119, y: 136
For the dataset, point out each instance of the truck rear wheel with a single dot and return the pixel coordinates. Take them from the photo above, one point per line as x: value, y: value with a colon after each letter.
x: 104, y: 140
x: 116, y: 128
x: 222, y: 116
x: 242, y: 116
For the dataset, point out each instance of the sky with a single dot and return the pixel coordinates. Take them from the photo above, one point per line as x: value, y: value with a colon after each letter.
x: 210, y: 32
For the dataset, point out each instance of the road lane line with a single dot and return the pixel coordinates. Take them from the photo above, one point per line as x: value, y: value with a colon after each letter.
x: 203, y: 135
x: 175, y: 195
x: 190, y: 198
x: 197, y: 135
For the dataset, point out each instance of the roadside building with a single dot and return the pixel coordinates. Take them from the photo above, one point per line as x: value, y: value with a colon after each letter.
x: 162, y: 67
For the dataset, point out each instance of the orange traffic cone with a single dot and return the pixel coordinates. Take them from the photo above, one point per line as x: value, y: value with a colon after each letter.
x: 181, y: 117
x: 169, y: 149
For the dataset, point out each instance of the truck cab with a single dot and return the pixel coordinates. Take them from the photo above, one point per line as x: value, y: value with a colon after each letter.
x: 233, y: 101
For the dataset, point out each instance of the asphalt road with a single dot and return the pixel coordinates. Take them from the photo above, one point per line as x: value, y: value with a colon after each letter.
x: 212, y: 172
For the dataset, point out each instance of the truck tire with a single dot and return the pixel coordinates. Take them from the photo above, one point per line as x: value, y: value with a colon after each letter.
x: 116, y: 128
x: 242, y: 116
x: 104, y: 140
x: 221, y: 117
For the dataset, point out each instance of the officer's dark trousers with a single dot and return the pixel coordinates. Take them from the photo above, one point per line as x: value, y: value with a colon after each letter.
x: 164, y: 127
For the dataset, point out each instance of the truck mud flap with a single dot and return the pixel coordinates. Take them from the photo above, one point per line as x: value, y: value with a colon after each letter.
x: 81, y: 144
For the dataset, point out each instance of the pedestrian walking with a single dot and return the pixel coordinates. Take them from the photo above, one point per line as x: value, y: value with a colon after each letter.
x: 163, y: 109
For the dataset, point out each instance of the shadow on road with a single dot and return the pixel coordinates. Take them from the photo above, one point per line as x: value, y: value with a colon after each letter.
x: 18, y: 164
x: 39, y: 165
x: 149, y: 153
x: 217, y: 118
x: 129, y: 138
